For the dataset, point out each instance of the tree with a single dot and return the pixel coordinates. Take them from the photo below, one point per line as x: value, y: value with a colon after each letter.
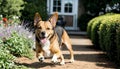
x: 33, y: 6
x: 95, y: 8
x: 11, y: 8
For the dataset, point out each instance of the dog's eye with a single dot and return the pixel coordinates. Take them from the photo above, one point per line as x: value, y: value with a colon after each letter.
x: 48, y: 28
x: 39, y: 28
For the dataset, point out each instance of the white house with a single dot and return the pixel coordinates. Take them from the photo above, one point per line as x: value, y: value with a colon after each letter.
x: 68, y: 9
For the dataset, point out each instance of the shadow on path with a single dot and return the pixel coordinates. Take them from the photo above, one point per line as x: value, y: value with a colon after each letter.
x: 83, y: 53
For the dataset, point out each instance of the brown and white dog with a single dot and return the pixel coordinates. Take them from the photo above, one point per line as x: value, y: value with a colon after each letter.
x: 49, y: 38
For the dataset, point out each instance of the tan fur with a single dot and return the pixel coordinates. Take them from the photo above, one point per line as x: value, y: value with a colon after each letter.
x: 54, y: 48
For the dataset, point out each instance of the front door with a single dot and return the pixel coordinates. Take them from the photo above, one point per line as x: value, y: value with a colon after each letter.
x: 67, y: 9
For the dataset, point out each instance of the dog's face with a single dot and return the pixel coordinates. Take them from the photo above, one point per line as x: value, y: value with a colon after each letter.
x: 44, y: 29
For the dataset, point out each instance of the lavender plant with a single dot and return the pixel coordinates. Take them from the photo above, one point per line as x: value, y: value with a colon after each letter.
x: 25, y: 35
x: 15, y: 40
x: 6, y: 31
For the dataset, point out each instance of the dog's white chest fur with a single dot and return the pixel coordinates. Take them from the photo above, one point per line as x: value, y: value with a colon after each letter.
x: 46, y: 48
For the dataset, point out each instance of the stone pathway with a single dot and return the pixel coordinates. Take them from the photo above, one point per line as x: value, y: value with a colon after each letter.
x: 86, y: 57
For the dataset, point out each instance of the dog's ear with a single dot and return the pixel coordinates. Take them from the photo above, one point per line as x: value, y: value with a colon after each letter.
x: 53, y: 19
x: 37, y: 18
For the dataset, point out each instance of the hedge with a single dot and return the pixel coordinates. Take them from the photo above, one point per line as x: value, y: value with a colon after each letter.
x: 107, y: 38
x: 92, y: 29
x: 104, y: 32
x: 118, y: 42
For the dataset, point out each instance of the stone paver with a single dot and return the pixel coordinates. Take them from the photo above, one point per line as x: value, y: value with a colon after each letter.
x: 86, y: 57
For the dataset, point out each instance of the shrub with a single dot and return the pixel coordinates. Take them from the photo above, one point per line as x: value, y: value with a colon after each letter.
x: 20, y: 42
x: 93, y: 28
x: 10, y: 8
x: 6, y: 59
x: 108, y: 41
x: 105, y: 29
x: 83, y: 21
x: 95, y: 32
x: 6, y: 32
x: 15, y: 41
x: 36, y: 6
x: 108, y: 35
x: 89, y: 28
x: 118, y: 42
x: 18, y: 45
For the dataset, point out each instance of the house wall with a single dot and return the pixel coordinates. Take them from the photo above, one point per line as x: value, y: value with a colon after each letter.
x: 80, y: 8
x: 71, y: 19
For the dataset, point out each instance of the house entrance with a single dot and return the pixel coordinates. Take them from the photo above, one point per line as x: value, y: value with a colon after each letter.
x: 67, y: 9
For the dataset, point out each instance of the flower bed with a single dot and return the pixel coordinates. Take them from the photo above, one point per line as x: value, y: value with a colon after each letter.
x: 15, y: 41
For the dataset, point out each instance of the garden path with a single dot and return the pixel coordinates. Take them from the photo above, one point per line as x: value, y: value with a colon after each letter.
x: 86, y: 57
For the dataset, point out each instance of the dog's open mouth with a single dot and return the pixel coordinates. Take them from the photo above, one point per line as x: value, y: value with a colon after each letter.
x: 43, y: 40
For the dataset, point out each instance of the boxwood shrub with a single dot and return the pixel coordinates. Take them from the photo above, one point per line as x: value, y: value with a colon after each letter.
x: 107, y: 38
x: 93, y: 28
x: 94, y: 33
x: 89, y: 27
x: 104, y: 32
x: 118, y: 42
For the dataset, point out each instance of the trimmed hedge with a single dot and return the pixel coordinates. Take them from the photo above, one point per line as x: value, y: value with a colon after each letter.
x: 107, y: 38
x: 93, y: 29
x: 104, y: 32
x: 118, y: 42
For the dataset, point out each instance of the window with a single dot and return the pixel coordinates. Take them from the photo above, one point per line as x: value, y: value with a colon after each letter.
x: 62, y: 6
x: 57, y: 5
x: 68, y: 8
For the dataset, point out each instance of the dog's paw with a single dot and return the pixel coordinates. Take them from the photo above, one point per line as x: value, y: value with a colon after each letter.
x: 54, y: 59
x: 41, y: 59
x: 72, y: 60
x: 62, y: 63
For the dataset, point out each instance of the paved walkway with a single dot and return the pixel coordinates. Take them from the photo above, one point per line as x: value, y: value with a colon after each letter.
x: 86, y: 57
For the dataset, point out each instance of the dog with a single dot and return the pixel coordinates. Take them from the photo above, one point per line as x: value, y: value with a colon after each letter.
x: 50, y: 38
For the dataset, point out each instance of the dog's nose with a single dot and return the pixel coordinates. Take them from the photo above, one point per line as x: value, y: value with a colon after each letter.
x: 42, y: 33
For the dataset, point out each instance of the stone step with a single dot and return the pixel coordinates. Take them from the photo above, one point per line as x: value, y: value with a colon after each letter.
x: 84, y: 33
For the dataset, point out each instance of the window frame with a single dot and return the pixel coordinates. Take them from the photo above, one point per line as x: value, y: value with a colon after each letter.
x: 62, y: 8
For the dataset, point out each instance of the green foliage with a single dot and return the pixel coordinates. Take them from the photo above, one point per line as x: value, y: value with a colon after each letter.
x: 83, y: 20
x: 89, y: 26
x: 12, y: 47
x: 95, y: 32
x: 107, y: 33
x: 94, y: 8
x: 118, y: 42
x: 11, y: 8
x: 6, y: 59
x: 19, y: 45
x: 104, y: 32
x: 33, y: 6
x: 93, y: 28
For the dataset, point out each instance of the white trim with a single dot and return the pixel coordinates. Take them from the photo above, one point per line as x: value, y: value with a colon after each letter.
x: 74, y: 12
x: 71, y: 28
x: 48, y: 4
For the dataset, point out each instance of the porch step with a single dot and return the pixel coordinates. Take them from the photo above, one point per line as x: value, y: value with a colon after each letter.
x: 77, y: 32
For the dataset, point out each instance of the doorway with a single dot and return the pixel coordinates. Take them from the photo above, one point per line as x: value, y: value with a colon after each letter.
x: 68, y: 9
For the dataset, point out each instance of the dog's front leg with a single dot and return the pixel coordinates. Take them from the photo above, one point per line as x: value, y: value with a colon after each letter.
x: 39, y: 55
x: 56, y: 56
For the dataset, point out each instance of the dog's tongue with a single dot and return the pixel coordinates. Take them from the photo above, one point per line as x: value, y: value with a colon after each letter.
x: 43, y: 40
